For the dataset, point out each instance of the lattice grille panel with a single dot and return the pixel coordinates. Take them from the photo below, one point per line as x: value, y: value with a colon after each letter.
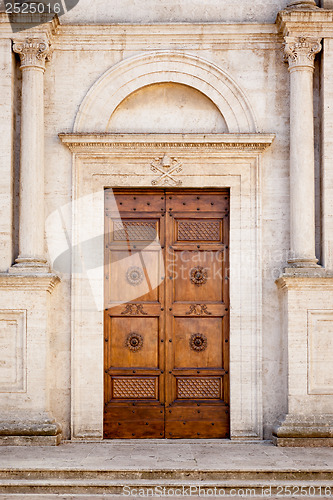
x: 199, y: 230
x: 134, y: 388
x: 199, y: 388
x: 134, y: 230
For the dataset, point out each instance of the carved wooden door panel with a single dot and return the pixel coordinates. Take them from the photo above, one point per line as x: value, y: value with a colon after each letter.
x: 197, y: 315
x: 134, y: 321
x: 166, y: 315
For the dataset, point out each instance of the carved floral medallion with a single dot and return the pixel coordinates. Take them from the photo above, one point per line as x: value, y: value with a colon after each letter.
x: 134, y: 275
x: 134, y: 342
x: 198, y: 342
x: 198, y: 276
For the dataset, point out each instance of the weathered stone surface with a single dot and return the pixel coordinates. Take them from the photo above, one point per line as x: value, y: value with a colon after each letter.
x: 220, y: 70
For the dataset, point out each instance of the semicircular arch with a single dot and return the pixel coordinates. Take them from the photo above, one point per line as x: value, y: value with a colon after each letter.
x: 164, y: 66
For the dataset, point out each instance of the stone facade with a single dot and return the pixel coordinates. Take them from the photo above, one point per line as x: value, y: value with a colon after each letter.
x: 242, y: 99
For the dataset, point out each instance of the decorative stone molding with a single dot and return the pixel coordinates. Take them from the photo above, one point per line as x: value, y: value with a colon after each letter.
x: 300, y: 51
x: 310, y: 21
x: 172, y: 35
x: 302, y: 4
x: 24, y: 428
x: 297, y: 430
x: 217, y: 143
x: 210, y: 161
x: 305, y: 280
x: 29, y: 282
x: 33, y: 52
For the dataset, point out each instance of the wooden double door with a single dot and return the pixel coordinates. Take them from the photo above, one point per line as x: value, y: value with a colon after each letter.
x: 166, y: 322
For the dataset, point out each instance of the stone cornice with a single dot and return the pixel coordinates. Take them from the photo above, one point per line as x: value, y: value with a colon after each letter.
x: 161, y: 35
x: 322, y: 281
x: 29, y: 282
x: 71, y: 37
x: 28, y: 25
x: 313, y: 22
x: 218, y: 143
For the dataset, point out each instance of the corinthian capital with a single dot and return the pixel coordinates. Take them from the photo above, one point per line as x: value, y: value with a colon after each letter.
x: 301, y: 51
x: 33, y: 52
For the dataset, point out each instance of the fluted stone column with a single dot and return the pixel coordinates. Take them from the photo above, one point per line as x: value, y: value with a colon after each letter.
x: 33, y: 53
x: 300, y: 52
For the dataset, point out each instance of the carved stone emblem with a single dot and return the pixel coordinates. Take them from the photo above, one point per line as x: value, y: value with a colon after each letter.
x: 167, y: 167
x: 198, y: 342
x: 198, y: 275
x: 134, y: 342
x: 134, y: 275
x: 134, y: 309
x: 199, y: 309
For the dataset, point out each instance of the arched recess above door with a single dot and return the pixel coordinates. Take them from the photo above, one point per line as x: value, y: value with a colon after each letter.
x: 163, y: 66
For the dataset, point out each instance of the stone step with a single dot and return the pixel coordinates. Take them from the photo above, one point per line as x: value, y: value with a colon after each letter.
x: 134, y: 488
x: 277, y: 474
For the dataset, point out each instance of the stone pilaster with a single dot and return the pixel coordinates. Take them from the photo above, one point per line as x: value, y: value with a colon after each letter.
x: 300, y: 52
x: 33, y: 53
x: 307, y: 312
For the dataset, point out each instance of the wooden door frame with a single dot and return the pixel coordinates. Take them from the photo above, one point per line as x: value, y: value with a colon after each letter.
x: 224, y: 161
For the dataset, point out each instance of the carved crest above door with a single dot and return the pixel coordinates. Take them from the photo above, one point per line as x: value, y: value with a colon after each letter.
x: 167, y: 168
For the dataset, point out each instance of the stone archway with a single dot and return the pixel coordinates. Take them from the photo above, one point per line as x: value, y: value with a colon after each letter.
x: 164, y: 66
x: 221, y: 160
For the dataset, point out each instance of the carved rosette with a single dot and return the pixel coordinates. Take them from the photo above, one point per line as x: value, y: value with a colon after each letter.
x: 33, y: 52
x: 198, y: 342
x: 198, y: 276
x: 134, y: 276
x: 301, y: 51
x: 134, y: 342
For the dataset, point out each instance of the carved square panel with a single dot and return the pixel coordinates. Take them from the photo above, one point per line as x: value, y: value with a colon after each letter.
x: 197, y: 275
x: 13, y: 351
x: 135, y: 230
x: 206, y: 230
x: 134, y: 342
x: 134, y: 275
x: 189, y: 354
x: 320, y: 352
x: 134, y: 387
x: 199, y: 388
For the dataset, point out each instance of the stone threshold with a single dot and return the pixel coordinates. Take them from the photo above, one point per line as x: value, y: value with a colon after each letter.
x: 105, y: 469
